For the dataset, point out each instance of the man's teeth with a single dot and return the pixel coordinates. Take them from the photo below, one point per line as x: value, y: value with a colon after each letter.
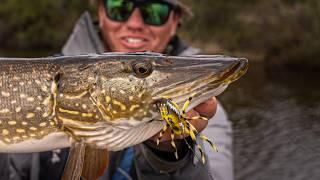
x: 134, y: 40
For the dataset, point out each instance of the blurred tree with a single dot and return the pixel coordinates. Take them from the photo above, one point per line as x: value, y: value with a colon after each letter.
x: 37, y: 24
x: 275, y: 31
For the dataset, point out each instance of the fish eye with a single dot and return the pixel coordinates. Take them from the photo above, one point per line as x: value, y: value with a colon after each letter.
x: 142, y: 69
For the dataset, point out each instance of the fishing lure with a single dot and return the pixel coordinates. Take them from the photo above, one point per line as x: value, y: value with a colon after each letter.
x: 179, y: 124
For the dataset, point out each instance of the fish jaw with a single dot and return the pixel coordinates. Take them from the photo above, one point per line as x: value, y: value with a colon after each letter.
x: 202, y: 76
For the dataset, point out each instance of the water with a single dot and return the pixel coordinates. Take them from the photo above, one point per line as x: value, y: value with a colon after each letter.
x: 276, y: 122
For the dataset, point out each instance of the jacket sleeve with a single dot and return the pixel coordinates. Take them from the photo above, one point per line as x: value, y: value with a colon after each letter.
x: 149, y: 165
x: 4, y: 169
x: 18, y: 166
x: 219, y: 130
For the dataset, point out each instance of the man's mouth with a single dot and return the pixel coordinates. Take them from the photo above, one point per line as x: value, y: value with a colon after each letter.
x: 134, y: 42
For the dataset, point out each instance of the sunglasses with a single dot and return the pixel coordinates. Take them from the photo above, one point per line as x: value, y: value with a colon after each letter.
x: 155, y: 13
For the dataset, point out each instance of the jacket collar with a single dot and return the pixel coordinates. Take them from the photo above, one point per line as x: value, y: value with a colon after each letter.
x: 84, y: 38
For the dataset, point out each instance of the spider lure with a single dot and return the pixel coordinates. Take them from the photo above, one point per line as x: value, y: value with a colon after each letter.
x: 179, y: 124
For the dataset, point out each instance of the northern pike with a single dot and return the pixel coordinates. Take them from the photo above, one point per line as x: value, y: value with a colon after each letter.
x: 105, y: 99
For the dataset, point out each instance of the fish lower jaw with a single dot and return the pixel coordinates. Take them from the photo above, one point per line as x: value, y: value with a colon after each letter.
x: 201, y: 94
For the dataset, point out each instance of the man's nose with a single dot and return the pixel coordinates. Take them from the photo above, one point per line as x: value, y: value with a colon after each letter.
x: 135, y: 21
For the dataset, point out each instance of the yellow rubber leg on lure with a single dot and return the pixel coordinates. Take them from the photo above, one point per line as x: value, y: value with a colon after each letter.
x: 186, y: 105
x: 173, y: 144
x: 192, y: 131
x: 203, y: 159
x: 161, y: 133
x: 214, y: 147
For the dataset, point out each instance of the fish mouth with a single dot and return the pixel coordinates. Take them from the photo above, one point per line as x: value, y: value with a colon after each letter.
x: 205, y: 85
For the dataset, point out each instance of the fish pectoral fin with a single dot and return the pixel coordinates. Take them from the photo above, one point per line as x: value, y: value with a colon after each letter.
x: 95, y: 163
x: 85, y: 162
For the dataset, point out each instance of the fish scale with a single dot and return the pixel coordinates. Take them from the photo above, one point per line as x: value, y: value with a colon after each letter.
x: 23, y: 120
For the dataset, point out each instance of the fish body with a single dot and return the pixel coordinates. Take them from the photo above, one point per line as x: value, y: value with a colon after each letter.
x: 46, y: 103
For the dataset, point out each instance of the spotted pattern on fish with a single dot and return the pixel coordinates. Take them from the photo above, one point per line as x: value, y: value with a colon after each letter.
x: 44, y: 96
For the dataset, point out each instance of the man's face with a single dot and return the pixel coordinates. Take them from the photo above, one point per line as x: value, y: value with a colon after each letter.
x: 134, y: 35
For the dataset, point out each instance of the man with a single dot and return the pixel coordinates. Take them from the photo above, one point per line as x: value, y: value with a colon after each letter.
x: 130, y: 26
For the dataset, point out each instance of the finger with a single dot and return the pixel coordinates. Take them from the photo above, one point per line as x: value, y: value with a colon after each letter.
x: 192, y: 113
x: 208, y: 108
x: 198, y: 123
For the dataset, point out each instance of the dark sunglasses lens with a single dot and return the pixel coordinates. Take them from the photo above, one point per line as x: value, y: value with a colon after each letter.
x: 155, y: 13
x: 119, y: 10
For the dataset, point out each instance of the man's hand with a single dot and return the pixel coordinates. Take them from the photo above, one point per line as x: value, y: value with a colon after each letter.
x: 206, y: 109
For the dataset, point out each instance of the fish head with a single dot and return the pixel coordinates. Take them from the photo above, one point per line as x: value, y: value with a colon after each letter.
x: 128, y: 88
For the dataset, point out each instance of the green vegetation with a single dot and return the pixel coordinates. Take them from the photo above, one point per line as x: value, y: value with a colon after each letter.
x: 273, y: 31
x: 41, y: 25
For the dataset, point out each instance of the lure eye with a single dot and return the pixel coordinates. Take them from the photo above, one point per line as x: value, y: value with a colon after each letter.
x: 142, y: 69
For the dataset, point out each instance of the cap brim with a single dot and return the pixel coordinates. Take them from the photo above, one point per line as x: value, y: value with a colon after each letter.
x: 185, y: 10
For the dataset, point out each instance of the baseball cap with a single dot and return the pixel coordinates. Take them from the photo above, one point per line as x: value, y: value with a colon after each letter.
x: 185, y: 8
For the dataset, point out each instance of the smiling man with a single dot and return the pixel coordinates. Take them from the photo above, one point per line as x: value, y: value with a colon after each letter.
x: 149, y: 27
x: 131, y: 26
